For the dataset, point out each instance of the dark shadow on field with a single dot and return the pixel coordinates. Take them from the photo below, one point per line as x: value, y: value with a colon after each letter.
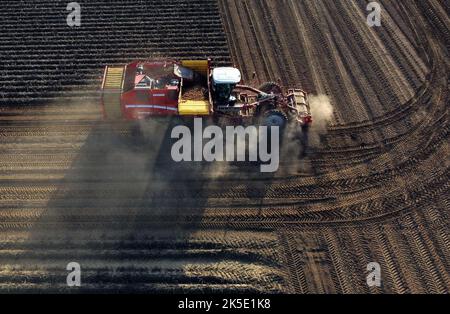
x: 122, y: 192
x: 125, y: 209
x: 122, y: 195
x: 296, y: 156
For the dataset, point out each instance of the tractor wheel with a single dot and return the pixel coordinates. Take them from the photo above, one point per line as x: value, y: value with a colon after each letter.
x: 271, y: 87
x: 275, y: 118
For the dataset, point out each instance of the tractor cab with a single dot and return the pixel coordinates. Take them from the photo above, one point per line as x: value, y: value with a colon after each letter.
x: 224, y: 80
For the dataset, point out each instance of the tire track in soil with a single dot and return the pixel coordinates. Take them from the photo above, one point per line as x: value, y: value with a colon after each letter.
x: 406, y: 74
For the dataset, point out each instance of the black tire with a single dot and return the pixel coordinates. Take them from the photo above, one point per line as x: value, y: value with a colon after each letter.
x: 264, y: 107
x: 271, y: 87
x: 275, y: 118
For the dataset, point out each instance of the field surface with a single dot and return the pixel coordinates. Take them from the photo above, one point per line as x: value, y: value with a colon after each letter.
x: 372, y: 185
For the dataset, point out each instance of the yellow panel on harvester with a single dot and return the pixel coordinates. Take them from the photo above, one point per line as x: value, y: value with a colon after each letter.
x: 113, y: 78
x: 200, y: 66
x: 193, y: 108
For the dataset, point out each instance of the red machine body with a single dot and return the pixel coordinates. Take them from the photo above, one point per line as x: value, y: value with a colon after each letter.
x: 151, y: 94
x: 141, y: 90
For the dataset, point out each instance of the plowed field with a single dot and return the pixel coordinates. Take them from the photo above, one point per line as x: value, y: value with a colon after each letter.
x: 373, y: 185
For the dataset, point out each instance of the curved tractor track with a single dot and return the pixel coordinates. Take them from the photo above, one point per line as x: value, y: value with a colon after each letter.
x: 373, y: 186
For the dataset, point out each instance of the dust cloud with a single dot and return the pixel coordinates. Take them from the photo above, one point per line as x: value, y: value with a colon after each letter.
x: 322, y: 114
x: 321, y: 110
x: 297, y: 144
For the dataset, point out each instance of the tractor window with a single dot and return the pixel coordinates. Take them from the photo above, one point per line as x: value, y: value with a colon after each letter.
x: 146, y: 82
x: 223, y: 89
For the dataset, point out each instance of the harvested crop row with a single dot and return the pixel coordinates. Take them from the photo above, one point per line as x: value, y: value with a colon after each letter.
x: 65, y: 59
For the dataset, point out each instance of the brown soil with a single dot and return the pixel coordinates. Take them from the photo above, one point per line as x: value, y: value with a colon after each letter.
x: 389, y: 91
x: 373, y: 187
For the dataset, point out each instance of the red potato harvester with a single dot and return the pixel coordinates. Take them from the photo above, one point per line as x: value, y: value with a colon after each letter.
x: 141, y: 90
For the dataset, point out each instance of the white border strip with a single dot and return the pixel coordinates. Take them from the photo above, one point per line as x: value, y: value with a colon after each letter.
x: 152, y: 107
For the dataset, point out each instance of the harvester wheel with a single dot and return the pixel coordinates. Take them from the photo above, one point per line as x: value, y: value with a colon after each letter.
x: 275, y: 118
x: 271, y: 87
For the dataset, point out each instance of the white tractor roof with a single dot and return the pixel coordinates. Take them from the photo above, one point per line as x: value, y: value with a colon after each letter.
x: 226, y: 75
